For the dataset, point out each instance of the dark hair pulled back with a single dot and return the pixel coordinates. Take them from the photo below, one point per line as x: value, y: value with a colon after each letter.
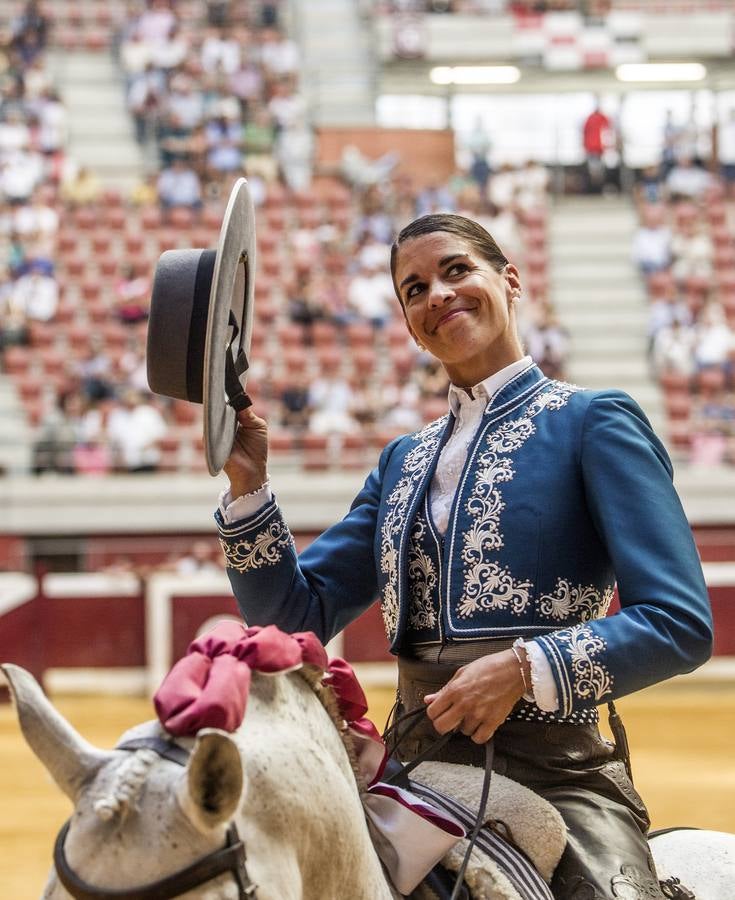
x: 472, y: 232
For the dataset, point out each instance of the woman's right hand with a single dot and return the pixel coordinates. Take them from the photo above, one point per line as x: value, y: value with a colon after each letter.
x: 247, y: 465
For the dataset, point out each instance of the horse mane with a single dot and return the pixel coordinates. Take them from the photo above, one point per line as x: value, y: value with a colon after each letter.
x: 326, y: 696
x: 127, y: 782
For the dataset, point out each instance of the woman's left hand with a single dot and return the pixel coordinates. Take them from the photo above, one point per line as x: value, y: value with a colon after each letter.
x: 478, y: 697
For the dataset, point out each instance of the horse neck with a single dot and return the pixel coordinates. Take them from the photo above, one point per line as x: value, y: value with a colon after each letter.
x: 300, y: 785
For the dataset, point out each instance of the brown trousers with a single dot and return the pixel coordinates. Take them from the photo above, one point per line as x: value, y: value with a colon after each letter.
x: 576, y: 770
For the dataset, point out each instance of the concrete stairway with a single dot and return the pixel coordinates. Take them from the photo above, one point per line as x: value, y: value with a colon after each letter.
x: 338, y: 67
x: 600, y: 298
x: 100, y: 128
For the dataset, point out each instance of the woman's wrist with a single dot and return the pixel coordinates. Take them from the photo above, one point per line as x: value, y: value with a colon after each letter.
x: 248, y: 487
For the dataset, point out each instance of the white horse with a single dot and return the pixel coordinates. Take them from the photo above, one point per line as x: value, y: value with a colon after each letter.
x: 272, y: 811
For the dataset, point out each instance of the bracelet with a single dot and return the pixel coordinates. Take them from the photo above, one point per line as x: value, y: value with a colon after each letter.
x: 519, y: 643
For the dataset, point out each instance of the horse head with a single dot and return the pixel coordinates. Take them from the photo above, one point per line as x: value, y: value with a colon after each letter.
x: 282, y: 784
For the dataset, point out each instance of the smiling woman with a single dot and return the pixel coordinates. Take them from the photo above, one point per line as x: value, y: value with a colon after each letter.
x: 458, y: 293
x: 494, y: 538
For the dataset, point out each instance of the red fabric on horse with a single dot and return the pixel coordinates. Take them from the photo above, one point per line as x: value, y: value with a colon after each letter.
x: 209, y: 687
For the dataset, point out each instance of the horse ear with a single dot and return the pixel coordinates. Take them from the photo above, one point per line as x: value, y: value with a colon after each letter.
x: 70, y: 760
x: 210, y: 793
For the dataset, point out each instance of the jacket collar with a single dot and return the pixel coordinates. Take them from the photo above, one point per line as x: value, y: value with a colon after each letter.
x: 499, y: 388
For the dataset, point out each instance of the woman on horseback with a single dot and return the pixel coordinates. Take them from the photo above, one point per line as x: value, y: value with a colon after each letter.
x: 494, y: 538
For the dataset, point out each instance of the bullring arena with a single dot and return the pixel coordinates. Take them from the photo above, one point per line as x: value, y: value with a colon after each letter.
x: 122, y: 128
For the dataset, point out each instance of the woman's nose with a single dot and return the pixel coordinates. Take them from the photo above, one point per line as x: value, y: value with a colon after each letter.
x: 439, y: 294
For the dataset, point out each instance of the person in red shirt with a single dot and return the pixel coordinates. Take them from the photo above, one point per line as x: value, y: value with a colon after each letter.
x: 597, y: 137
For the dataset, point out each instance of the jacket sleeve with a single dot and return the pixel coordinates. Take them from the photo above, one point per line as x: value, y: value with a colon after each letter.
x: 664, y: 626
x: 324, y: 588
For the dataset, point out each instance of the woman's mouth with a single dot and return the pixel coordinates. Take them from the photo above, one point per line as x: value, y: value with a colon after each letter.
x: 448, y: 316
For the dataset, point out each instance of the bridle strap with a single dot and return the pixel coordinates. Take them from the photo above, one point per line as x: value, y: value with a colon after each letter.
x: 230, y: 858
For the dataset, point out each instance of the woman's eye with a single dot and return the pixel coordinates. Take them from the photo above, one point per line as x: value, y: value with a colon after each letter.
x: 457, y: 269
x: 413, y: 291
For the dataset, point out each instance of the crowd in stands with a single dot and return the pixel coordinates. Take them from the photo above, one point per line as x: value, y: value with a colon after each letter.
x: 519, y: 8
x: 332, y: 365
x: 684, y: 250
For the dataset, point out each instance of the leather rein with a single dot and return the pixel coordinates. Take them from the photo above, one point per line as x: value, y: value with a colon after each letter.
x: 230, y: 858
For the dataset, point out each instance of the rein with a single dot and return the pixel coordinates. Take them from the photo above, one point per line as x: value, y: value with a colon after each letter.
x: 230, y: 858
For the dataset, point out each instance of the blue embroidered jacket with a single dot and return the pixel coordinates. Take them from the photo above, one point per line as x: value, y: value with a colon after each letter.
x: 565, y: 491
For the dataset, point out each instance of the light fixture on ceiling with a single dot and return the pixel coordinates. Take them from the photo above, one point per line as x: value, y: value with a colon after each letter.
x: 475, y: 74
x: 689, y: 71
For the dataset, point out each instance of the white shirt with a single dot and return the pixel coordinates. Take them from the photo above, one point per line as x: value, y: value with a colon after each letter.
x: 468, y: 411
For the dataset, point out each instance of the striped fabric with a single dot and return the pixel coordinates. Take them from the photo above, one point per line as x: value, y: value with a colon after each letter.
x: 513, y: 863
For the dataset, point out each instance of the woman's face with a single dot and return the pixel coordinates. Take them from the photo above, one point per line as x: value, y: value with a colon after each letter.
x: 457, y: 306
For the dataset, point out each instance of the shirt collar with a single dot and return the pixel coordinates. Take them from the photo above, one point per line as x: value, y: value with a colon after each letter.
x: 487, y: 388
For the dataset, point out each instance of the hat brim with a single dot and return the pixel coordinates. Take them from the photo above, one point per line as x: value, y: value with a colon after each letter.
x: 233, y: 290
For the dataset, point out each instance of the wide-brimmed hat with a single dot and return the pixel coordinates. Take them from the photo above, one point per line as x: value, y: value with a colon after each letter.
x: 200, y: 325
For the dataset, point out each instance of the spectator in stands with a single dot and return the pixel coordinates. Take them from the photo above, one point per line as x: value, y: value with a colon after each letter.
x: 597, y: 138
x: 673, y: 349
x: 293, y: 402
x: 82, y: 188
x: 649, y: 187
x: 132, y: 296
x: 477, y: 144
x: 664, y: 309
x: 294, y: 152
x: 157, y: 22
x: 36, y: 221
x: 670, y: 144
x: 433, y: 198
x: 220, y: 53
x: 450, y: 531
x: 94, y: 372
x: 331, y: 401
x: 223, y: 135
x: 370, y: 291
x: 725, y: 137
x: 547, y: 342
x: 21, y: 172
x: 687, y: 181
x: 60, y: 432
x: 145, y: 101
x: 714, y: 340
x: 134, y: 428
x: 279, y: 55
x: 179, y: 186
x: 652, y: 241
x: 692, y: 251
x: 184, y: 102
x: 35, y: 295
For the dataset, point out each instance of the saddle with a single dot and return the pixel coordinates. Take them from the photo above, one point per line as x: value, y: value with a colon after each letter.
x: 529, y: 834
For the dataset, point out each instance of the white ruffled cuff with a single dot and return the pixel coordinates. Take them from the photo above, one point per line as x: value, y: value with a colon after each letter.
x: 545, y: 694
x: 246, y: 505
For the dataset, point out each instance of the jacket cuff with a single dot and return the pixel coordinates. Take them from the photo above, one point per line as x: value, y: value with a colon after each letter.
x: 577, y: 659
x: 255, y: 542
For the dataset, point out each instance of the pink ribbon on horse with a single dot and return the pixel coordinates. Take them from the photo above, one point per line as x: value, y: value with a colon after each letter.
x: 209, y: 687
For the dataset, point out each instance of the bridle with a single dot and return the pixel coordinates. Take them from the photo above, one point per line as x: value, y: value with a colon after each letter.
x: 230, y: 858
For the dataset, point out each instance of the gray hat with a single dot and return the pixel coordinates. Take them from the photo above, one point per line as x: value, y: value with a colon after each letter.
x: 200, y: 325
